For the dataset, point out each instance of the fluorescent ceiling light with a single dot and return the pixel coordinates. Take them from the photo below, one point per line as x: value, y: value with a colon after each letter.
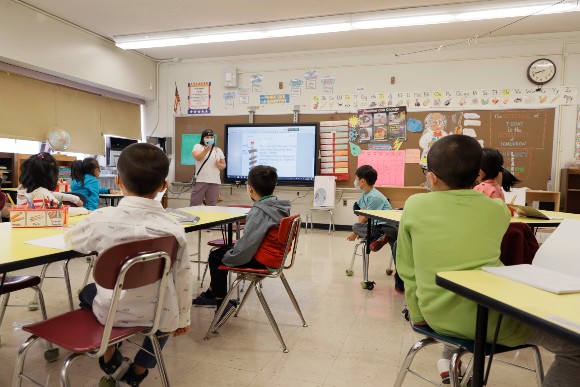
x: 361, y: 21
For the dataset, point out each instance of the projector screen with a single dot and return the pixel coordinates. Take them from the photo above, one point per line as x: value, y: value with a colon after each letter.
x: 290, y: 148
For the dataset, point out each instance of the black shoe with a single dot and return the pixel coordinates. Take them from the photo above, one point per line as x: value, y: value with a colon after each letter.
x: 132, y: 379
x: 113, y: 364
x: 204, y: 301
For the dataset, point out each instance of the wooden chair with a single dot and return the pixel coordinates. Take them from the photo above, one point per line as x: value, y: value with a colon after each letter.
x: 288, y: 233
x: 126, y: 266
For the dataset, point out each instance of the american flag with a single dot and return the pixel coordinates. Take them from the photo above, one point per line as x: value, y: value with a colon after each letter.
x: 177, y: 99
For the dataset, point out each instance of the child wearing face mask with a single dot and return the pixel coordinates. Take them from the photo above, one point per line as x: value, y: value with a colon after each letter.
x: 259, y: 243
x: 209, y: 161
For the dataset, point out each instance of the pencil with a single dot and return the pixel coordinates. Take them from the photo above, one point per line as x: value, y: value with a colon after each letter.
x: 513, y: 200
x: 10, y: 198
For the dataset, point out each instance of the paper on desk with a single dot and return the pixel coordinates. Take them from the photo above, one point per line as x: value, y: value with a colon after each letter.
x: 53, y: 242
x: 560, y: 252
x: 518, y: 193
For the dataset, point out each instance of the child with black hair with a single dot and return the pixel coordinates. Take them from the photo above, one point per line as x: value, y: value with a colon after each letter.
x: 38, y: 181
x: 508, y: 180
x: 490, y: 174
x: 142, y: 171
x: 85, y: 180
x: 261, y: 230
x: 457, y: 228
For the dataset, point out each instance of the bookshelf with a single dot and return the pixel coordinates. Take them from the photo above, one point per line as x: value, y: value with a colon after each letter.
x: 7, y: 163
x: 570, y: 188
x: 64, y: 164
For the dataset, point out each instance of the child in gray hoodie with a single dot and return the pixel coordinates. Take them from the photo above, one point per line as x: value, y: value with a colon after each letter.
x: 266, y: 214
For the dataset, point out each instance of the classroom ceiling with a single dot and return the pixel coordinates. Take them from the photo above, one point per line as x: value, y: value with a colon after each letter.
x: 110, y: 18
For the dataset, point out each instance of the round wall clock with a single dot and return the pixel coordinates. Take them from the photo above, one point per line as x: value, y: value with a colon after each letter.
x: 541, y: 71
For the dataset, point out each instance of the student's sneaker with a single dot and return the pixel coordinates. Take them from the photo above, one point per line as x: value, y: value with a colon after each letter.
x: 132, y: 379
x: 113, y: 364
x: 230, y: 309
x: 379, y: 243
x: 443, y: 367
x: 204, y: 301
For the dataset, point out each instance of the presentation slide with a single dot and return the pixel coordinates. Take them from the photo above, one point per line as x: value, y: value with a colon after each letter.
x: 290, y: 148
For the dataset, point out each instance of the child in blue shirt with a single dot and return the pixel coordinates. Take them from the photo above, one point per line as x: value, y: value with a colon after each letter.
x: 85, y: 181
x: 372, y: 199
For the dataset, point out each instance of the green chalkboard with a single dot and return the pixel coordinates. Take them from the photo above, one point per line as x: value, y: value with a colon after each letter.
x: 188, y: 140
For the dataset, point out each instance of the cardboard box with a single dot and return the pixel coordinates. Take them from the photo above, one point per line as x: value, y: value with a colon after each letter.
x: 22, y: 216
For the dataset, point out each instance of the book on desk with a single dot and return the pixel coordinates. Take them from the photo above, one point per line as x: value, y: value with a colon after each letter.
x: 555, y: 267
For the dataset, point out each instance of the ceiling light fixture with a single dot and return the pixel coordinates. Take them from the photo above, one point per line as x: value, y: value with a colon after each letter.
x: 359, y: 21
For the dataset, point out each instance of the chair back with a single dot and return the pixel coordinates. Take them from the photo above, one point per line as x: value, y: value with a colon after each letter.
x: 132, y: 265
x: 288, y: 233
x: 80, y: 196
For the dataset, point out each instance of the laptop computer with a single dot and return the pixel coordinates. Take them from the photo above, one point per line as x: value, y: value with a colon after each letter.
x: 530, y: 212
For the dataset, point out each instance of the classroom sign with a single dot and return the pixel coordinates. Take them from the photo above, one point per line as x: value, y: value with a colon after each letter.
x: 199, y: 98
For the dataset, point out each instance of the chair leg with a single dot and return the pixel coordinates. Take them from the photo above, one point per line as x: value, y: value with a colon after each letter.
x: 454, y: 367
x: 351, y: 267
x: 204, y: 273
x: 42, y: 276
x: 67, y: 283
x: 538, y: 365
x: 64, y: 382
x: 3, y: 305
x: 214, y: 326
x: 409, y: 359
x: 292, y: 298
x: 20, y: 358
x: 160, y: 362
x: 270, y: 316
x: 365, y: 259
x: 91, y: 262
x: 246, y: 296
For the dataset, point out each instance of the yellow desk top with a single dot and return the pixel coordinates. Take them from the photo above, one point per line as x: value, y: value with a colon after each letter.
x: 396, y: 215
x: 528, y: 304
x: 16, y: 254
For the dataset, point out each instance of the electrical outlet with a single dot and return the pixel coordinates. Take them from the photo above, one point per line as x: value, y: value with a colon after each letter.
x: 344, y: 202
x: 298, y: 193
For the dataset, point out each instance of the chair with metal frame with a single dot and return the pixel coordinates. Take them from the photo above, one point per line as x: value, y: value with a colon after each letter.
x: 125, y: 266
x: 288, y: 233
x: 463, y: 346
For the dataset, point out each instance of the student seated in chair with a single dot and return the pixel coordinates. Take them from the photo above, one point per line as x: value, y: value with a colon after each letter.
x: 259, y: 245
x: 142, y: 171
x: 457, y: 228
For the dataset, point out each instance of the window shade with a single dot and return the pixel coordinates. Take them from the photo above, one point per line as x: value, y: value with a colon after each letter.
x: 27, y: 107
x: 30, y: 108
x: 78, y: 113
x: 120, y: 118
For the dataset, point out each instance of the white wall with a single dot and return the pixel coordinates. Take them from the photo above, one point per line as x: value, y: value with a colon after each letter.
x: 491, y: 63
x: 35, y: 41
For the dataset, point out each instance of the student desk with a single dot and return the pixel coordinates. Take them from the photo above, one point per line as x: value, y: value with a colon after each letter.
x: 557, y: 314
x: 396, y: 215
x: 112, y: 199
x: 16, y: 254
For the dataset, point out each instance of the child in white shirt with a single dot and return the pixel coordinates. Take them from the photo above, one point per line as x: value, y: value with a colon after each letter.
x: 142, y: 171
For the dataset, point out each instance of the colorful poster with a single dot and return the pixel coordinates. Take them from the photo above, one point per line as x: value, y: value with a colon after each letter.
x: 427, y: 100
x: 334, y: 149
x: 268, y: 99
x: 198, y: 100
x: 382, y: 124
x: 390, y: 166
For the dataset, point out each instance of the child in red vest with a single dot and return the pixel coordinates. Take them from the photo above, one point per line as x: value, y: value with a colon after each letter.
x: 259, y: 246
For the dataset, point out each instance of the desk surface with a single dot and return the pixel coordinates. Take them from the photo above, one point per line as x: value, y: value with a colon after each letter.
x: 16, y: 254
x: 533, y: 222
x: 556, y: 313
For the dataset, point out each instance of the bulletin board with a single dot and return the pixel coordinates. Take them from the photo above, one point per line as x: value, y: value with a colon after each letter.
x: 525, y: 138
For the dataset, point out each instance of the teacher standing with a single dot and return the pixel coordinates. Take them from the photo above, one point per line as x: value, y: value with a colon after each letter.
x: 209, y: 161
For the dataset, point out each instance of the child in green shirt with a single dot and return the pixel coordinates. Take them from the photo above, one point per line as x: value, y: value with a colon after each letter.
x: 457, y: 228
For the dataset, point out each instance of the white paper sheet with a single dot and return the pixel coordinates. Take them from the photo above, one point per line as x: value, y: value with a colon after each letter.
x: 560, y: 251
x: 53, y: 242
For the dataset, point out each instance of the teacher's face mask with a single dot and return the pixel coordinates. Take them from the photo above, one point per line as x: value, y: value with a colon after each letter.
x: 208, y: 141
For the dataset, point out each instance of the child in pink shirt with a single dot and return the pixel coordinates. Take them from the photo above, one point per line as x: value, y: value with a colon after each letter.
x: 490, y: 173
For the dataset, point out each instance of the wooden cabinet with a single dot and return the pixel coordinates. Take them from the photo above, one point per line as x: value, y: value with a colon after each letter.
x: 7, y: 166
x: 570, y: 188
x: 64, y: 163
